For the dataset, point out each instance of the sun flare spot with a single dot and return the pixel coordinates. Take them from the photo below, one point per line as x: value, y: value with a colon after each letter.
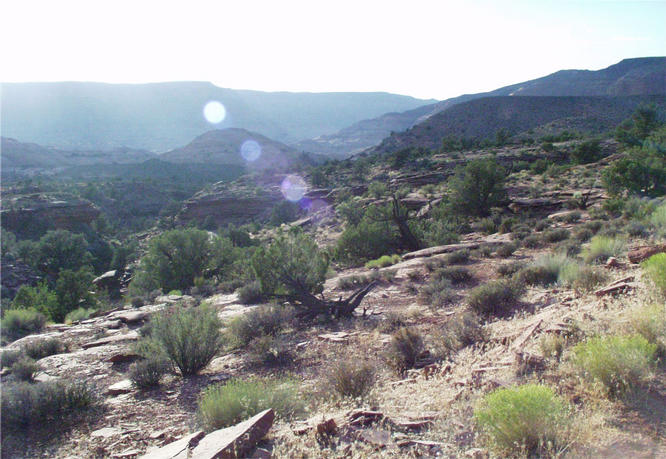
x: 214, y: 112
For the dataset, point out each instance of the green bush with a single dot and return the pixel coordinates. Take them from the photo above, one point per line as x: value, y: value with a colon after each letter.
x: 251, y: 293
x: 477, y: 186
x: 147, y: 373
x: 405, y: 348
x: 190, y: 337
x: 73, y: 291
x: 650, y: 322
x: 602, y: 247
x: 9, y: 356
x: 655, y: 268
x: 224, y: 405
x: 528, y: 418
x: 509, y: 269
x: 586, y: 152
x: 580, y: 278
x: 44, y: 403
x: 642, y: 171
x: 383, y: 261
x: 39, y: 298
x: 620, y: 363
x: 457, y: 257
x: 365, y: 241
x: 59, y: 250
x: 176, y: 257
x: 455, y: 274
x: 269, y: 350
x: 658, y: 220
x: 494, y: 298
x: 506, y: 250
x: 25, y: 369
x: 377, y: 190
x: 44, y: 347
x: 583, y: 235
x: 351, y: 378
x: 78, y: 315
x: 555, y: 235
x: 18, y: 323
x: 261, y: 321
x: 532, y: 242
x: 438, y: 293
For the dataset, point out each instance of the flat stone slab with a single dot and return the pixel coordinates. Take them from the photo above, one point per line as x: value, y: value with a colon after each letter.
x: 131, y: 336
x: 129, y: 317
x: 235, y: 441
x: 177, y: 449
x: 106, y: 432
x: 122, y: 387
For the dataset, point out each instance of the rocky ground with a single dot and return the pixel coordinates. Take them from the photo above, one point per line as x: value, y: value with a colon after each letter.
x: 427, y: 413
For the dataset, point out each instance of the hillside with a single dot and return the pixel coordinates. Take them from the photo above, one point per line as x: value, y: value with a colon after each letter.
x: 482, y: 118
x: 630, y: 77
x: 162, y: 116
x: 18, y: 155
x: 233, y: 146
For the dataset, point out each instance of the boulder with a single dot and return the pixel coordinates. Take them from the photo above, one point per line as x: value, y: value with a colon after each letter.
x: 122, y: 387
x: 236, y: 441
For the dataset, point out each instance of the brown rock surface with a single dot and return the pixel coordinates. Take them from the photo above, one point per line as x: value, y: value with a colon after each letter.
x: 643, y: 253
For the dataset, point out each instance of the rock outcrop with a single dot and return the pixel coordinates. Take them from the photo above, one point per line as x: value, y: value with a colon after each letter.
x: 25, y: 212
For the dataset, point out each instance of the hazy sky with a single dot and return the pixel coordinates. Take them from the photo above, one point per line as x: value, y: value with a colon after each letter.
x: 428, y: 49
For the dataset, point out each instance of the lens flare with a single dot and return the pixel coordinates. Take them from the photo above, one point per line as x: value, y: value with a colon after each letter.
x: 293, y: 188
x: 214, y: 112
x: 250, y: 150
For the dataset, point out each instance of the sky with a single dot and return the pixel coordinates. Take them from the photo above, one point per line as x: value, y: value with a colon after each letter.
x: 426, y: 49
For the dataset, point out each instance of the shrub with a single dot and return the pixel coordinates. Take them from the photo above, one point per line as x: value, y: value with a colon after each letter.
x: 658, y: 220
x: 147, y: 373
x: 21, y: 322
x: 351, y: 378
x: 383, y: 261
x: 650, y: 322
x: 477, y: 186
x: 78, y: 315
x: 603, y: 247
x: 456, y: 274
x: 176, y: 257
x: 352, y: 282
x: 555, y: 235
x: 509, y: 269
x: 39, y: 298
x: 580, y: 278
x: 25, y: 368
x: 457, y: 257
x: 438, y: 293
x: 223, y: 405
x: 494, y: 298
x: 367, y: 240
x: 43, y: 403
x: 439, y: 232
x: 43, y: 348
x: 463, y: 329
x: 542, y: 225
x: 586, y: 152
x: 620, y: 363
x: 529, y: 417
x: 583, y: 234
x: 642, y: 171
x: 507, y: 224
x: 261, y: 321
x: 269, y: 350
x: 636, y: 229
x: 655, y: 268
x: 506, y: 250
x: 9, y: 356
x: 545, y: 270
x: 487, y: 226
x: 189, y: 337
x: 532, y: 242
x: 405, y: 348
x: 552, y: 346
x: 250, y: 293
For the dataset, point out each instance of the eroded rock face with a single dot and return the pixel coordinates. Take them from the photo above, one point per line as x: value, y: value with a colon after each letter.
x: 57, y: 212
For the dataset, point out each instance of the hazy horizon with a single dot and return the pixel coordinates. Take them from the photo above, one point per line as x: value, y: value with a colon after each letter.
x: 425, y: 50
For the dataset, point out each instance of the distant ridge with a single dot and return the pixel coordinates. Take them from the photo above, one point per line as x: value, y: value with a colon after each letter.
x: 162, y: 116
x: 629, y: 77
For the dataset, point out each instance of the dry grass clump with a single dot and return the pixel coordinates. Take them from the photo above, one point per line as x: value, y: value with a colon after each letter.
x: 18, y: 323
x: 25, y: 369
x: 438, y: 293
x: 261, y: 321
x: 556, y: 235
x: 581, y: 278
x: 462, y: 330
x: 404, y: 350
x: 525, y: 419
x: 147, y: 373
x: 506, y: 250
x: 268, y: 350
x: 352, y: 378
x: 383, y: 261
x: 43, y: 348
